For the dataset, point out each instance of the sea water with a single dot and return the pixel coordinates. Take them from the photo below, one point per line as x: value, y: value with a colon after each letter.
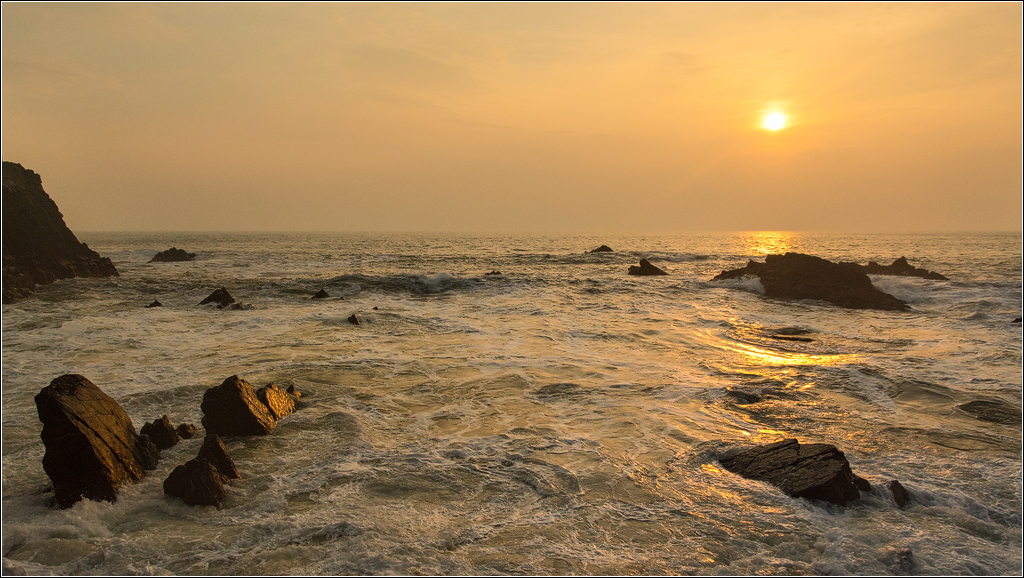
x: 560, y: 418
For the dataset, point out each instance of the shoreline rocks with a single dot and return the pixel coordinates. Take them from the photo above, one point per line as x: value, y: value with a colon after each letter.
x: 173, y: 255
x: 38, y: 247
x: 645, y: 268
x: 799, y: 276
x: 813, y: 471
x: 92, y: 448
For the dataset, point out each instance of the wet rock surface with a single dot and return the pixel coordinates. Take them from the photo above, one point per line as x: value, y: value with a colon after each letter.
x: 38, y: 247
x: 813, y: 471
x: 277, y: 400
x: 799, y: 276
x: 92, y: 447
x: 161, y: 433
x: 197, y: 483
x: 899, y: 494
x: 904, y: 269
x: 173, y: 255
x: 232, y: 409
x: 213, y: 451
x: 993, y: 411
x: 645, y: 268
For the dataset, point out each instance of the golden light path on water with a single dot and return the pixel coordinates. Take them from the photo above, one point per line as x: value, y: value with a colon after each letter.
x: 769, y: 242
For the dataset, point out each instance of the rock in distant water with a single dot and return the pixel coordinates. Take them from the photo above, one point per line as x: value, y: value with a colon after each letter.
x: 161, y: 433
x: 172, y: 255
x: 233, y: 409
x: 902, y: 268
x: 38, y: 247
x: 645, y: 268
x: 155, y: 304
x: 814, y: 471
x: 495, y: 273
x: 91, y: 445
x: 799, y: 276
x: 353, y: 319
x: 321, y: 294
x: 221, y: 297
x: 603, y: 249
x: 277, y: 401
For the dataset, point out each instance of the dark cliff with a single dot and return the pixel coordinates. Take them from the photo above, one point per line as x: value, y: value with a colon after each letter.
x: 38, y: 247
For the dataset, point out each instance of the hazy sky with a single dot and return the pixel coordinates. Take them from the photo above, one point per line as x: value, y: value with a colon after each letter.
x: 519, y: 117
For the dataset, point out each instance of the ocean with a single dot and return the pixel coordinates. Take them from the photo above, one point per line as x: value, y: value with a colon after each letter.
x: 562, y: 417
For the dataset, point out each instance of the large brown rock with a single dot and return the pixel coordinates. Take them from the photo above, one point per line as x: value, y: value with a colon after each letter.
x: 38, y: 247
x: 213, y: 451
x: 232, y: 409
x: 92, y: 447
x: 799, y: 276
x: 814, y: 471
x: 161, y: 433
x: 197, y: 483
x: 277, y: 400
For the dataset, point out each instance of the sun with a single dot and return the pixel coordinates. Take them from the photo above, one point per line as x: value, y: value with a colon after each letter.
x: 775, y: 121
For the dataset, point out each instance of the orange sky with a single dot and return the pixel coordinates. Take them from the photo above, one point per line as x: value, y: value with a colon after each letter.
x: 519, y: 117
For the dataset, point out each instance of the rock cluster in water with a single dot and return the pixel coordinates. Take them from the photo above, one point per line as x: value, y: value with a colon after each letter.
x: 233, y: 409
x: 799, y: 276
x: 92, y: 447
x: 38, y: 247
x: 904, y: 269
x: 814, y: 471
x: 645, y: 268
x: 173, y: 255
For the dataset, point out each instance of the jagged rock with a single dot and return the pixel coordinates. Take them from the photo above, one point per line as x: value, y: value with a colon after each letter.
x: 353, y: 319
x: 645, y: 268
x: 92, y: 447
x: 172, y: 255
x: 197, y: 483
x: 277, y: 401
x: 799, y: 276
x: 38, y: 247
x: 221, y: 297
x: 161, y: 433
x: 213, y: 451
x: 321, y: 294
x: 993, y: 411
x: 155, y: 304
x: 186, y: 431
x: 603, y: 249
x: 232, y: 408
x: 902, y: 268
x: 294, y: 393
x: 899, y: 493
x: 149, y: 452
x: 814, y: 471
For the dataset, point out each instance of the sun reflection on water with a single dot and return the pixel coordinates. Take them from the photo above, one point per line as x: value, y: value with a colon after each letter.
x: 769, y: 242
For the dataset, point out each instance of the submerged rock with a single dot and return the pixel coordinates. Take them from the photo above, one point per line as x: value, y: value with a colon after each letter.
x: 902, y: 268
x: 221, y: 297
x: 494, y: 273
x: 603, y: 249
x: 161, y: 433
x: 38, y: 247
x: 645, y: 268
x: 799, y: 276
x: 232, y: 408
x: 813, y: 471
x: 172, y: 255
x: 993, y: 411
x: 899, y: 493
x: 277, y: 401
x: 321, y: 294
x: 92, y: 447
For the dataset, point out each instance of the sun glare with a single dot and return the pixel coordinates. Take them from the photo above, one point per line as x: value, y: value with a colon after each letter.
x: 775, y: 121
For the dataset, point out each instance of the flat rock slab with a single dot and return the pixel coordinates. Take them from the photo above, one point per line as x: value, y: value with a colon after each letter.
x: 813, y: 471
x: 92, y: 447
x: 799, y: 276
x: 233, y: 409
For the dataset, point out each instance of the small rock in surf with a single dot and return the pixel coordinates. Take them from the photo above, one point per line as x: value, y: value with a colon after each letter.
x: 172, y: 255
x: 221, y: 297
x: 321, y: 294
x: 645, y: 268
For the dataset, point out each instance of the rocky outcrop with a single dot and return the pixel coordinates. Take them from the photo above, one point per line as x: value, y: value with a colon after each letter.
x: 92, y: 447
x: 813, y: 471
x: 645, y: 268
x: 161, y: 433
x: 38, y: 247
x: 603, y: 249
x: 277, y: 400
x: 173, y: 255
x: 221, y: 297
x: 200, y: 481
x: 902, y: 268
x: 321, y: 294
x: 232, y: 409
x: 799, y: 276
